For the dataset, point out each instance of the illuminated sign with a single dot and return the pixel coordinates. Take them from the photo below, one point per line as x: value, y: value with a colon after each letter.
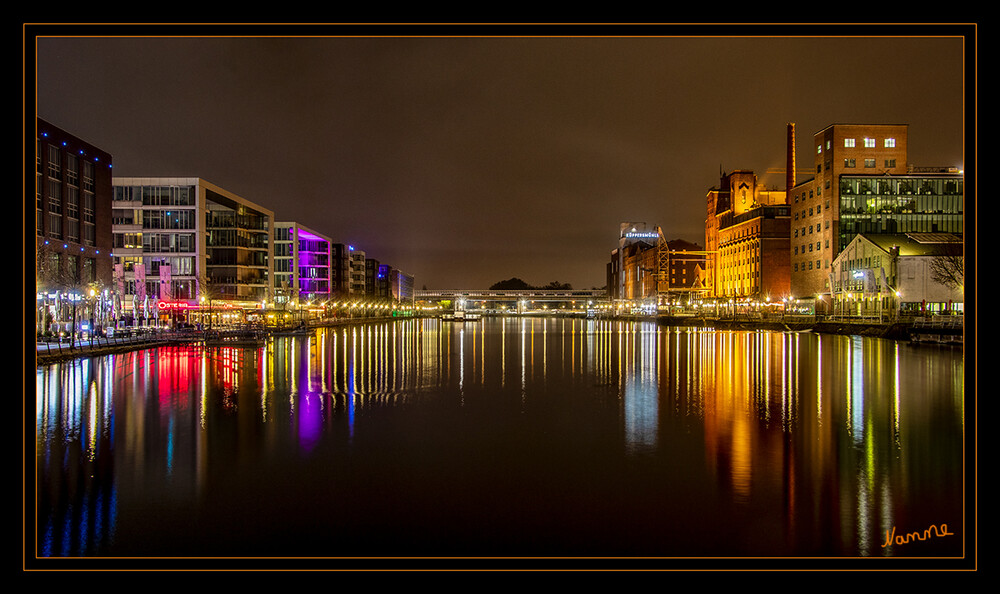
x: 175, y: 305
x: 185, y: 305
x: 641, y: 234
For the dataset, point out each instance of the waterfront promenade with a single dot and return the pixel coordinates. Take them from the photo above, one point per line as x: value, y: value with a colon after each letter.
x: 51, y: 351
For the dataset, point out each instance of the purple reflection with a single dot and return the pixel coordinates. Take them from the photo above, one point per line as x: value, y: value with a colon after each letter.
x: 310, y: 421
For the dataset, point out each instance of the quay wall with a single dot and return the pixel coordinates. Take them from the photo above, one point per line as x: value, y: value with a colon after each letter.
x: 892, y: 331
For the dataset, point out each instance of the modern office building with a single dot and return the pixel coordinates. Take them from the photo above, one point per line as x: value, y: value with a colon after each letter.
x: 884, y: 275
x: 183, y: 244
x: 302, y: 264
x: 747, y: 237
x: 72, y: 228
x: 400, y: 285
x: 864, y: 184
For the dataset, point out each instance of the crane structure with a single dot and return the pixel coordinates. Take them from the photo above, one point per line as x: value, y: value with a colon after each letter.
x: 664, y: 255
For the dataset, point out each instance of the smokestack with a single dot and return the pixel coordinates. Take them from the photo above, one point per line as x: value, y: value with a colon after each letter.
x: 790, y: 165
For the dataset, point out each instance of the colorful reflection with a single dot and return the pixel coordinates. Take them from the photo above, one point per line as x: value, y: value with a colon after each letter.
x: 608, y: 437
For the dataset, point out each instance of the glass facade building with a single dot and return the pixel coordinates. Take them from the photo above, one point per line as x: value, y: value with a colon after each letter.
x: 186, y: 240
x: 900, y: 204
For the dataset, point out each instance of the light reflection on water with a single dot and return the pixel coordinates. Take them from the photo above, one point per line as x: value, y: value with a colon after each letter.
x: 512, y: 436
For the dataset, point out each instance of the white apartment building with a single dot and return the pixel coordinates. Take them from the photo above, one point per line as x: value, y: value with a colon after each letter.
x: 182, y: 242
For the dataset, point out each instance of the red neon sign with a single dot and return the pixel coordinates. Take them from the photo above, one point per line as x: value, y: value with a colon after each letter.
x: 175, y: 305
x: 186, y: 305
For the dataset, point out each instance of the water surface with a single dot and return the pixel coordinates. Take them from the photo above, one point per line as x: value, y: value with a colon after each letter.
x: 505, y: 437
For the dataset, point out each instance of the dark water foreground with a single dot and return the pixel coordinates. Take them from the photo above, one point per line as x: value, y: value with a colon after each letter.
x: 517, y: 438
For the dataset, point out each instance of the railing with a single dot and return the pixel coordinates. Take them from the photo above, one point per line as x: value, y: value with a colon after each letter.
x: 939, y: 323
x: 63, y: 346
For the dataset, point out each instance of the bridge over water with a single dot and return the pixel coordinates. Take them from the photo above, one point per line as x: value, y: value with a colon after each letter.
x: 511, y: 301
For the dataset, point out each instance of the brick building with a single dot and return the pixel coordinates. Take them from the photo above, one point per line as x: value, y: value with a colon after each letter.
x: 747, y: 235
x: 863, y: 184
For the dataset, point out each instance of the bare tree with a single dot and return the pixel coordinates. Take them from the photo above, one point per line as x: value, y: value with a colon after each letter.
x: 57, y: 271
x: 208, y: 291
x: 948, y: 268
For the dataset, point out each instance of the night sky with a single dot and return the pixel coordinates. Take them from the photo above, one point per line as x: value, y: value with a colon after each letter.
x: 468, y: 160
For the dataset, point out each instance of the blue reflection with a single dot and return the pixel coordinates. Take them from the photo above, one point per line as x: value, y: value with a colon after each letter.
x: 580, y: 432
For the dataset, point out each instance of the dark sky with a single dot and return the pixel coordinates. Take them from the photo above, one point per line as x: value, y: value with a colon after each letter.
x: 468, y: 160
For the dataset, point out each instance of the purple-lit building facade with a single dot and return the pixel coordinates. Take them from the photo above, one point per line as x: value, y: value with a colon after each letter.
x: 303, y: 264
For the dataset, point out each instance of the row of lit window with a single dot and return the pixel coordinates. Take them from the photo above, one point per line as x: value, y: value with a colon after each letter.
x: 869, y: 163
x: 866, y: 142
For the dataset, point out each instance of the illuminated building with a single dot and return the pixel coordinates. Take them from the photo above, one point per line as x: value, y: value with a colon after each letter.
x: 747, y: 234
x: 72, y: 224
x: 863, y: 184
x: 185, y: 240
x: 302, y: 263
x: 634, y: 274
x: 882, y: 275
x: 399, y: 284
x: 633, y: 264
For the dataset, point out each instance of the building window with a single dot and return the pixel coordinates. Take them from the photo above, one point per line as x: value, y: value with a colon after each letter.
x: 849, y: 163
x: 848, y: 143
x: 890, y: 162
x: 88, y: 176
x: 55, y: 169
x: 819, y: 149
x: 72, y: 169
x: 890, y: 143
x: 869, y: 143
x: 870, y: 163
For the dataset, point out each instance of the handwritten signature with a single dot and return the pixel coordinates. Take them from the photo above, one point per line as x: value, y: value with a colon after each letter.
x: 891, y: 537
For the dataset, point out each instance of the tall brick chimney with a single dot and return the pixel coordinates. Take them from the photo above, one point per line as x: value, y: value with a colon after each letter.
x: 790, y: 165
